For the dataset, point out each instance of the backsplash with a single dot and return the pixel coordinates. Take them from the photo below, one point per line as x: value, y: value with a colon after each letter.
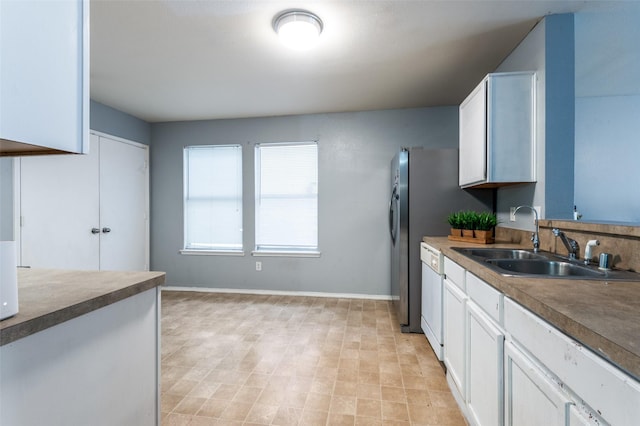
x: 622, y: 241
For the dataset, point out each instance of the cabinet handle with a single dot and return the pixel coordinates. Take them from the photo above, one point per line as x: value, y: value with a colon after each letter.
x: 95, y: 230
x: 106, y: 230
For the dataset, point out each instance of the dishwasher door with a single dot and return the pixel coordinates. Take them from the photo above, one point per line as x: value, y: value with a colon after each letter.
x: 432, y: 294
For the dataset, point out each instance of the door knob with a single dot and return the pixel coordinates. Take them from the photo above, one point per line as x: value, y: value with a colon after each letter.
x: 106, y: 230
x: 95, y: 230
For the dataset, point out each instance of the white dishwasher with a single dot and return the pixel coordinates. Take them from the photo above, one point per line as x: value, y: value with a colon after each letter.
x: 432, y: 285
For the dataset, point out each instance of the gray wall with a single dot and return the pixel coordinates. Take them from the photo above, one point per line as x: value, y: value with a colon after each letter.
x: 607, y: 134
x: 548, y: 50
x: 117, y: 123
x: 355, y: 150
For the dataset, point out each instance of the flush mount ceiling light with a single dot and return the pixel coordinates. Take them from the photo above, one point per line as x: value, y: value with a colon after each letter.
x: 298, y: 29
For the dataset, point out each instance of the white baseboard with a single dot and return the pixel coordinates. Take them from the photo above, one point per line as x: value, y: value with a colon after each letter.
x: 279, y: 293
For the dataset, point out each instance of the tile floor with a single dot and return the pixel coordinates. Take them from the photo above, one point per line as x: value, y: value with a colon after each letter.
x: 231, y: 359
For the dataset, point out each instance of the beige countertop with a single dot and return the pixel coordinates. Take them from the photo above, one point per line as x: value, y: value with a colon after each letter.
x: 604, y: 316
x: 49, y: 297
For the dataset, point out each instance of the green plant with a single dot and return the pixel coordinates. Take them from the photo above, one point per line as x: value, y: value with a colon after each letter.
x: 454, y: 220
x: 468, y: 219
x: 486, y: 221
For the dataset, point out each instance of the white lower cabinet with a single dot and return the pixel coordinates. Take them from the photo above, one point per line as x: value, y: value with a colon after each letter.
x: 484, y: 368
x: 507, y: 366
x: 455, y: 336
x: 531, y: 398
x: 602, y: 393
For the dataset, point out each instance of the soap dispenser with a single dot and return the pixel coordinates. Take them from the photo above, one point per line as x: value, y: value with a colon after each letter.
x: 576, y: 213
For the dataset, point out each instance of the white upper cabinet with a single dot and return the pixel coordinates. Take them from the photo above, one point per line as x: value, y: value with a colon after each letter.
x: 497, y: 131
x: 44, y: 70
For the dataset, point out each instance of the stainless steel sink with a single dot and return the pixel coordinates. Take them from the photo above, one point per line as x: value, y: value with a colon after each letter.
x: 526, y: 263
x: 545, y: 267
x: 496, y: 253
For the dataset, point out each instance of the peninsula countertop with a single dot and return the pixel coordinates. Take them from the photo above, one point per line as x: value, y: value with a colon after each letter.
x: 602, y: 315
x: 48, y: 297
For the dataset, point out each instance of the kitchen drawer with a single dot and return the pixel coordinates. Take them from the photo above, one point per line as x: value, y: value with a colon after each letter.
x: 485, y: 296
x: 606, y: 389
x: 454, y: 273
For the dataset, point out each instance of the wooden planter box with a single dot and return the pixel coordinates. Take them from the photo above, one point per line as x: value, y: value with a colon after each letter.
x: 477, y: 237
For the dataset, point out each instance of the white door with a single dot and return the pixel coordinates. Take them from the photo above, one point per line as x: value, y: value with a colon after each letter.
x: 69, y: 203
x: 123, y: 206
x: 58, y: 210
x: 531, y: 399
x: 485, y: 397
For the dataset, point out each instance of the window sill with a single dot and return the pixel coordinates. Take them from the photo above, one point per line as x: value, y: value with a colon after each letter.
x: 282, y: 253
x: 188, y: 252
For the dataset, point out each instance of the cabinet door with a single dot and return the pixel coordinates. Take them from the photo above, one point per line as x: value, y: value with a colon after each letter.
x: 473, y: 131
x: 510, y: 127
x: 44, y: 59
x: 578, y: 419
x: 484, y: 368
x: 531, y: 398
x: 455, y: 335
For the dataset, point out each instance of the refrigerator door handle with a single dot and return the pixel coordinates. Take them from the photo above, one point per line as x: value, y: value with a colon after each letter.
x: 392, y: 227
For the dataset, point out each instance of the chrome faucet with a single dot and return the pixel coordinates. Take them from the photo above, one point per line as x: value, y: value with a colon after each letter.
x: 571, y: 245
x: 534, y: 236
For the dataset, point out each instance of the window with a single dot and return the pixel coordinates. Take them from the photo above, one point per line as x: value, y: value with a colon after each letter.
x: 287, y: 197
x: 213, y: 198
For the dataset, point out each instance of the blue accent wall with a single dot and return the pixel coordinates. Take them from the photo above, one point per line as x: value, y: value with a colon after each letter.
x: 607, y: 141
x: 559, y: 116
x: 588, y: 68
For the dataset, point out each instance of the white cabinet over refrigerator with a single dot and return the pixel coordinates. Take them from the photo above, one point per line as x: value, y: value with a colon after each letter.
x: 86, y: 212
x: 497, y: 131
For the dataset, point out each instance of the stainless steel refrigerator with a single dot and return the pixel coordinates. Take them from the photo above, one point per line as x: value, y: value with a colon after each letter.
x: 424, y: 190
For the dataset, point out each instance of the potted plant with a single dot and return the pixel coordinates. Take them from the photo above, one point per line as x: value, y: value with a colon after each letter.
x: 485, y: 224
x: 454, y: 222
x: 468, y: 221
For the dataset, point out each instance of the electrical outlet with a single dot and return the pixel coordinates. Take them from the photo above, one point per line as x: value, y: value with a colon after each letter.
x: 512, y: 214
x: 258, y: 266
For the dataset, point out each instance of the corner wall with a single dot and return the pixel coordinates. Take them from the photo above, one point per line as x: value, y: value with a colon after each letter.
x: 549, y: 51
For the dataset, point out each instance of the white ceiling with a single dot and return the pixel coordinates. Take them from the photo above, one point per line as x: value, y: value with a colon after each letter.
x: 170, y: 60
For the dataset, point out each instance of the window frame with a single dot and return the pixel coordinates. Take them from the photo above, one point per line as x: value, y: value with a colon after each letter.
x: 219, y: 250
x: 284, y: 250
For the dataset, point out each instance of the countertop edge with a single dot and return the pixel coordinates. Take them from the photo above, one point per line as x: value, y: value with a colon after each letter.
x: 31, y: 326
x: 607, y: 349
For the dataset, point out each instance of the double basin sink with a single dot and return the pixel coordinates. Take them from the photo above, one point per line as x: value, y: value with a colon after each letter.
x: 518, y: 262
